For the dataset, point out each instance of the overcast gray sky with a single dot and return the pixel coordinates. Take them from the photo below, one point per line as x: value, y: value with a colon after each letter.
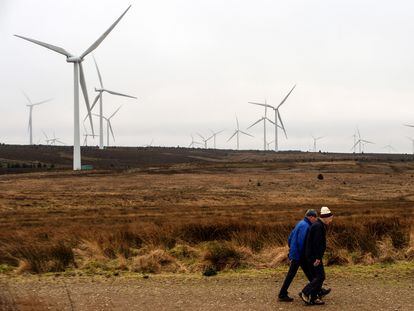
x: 195, y: 64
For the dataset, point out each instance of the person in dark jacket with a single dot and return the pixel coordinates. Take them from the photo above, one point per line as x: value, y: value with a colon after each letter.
x: 296, y: 244
x: 315, y: 247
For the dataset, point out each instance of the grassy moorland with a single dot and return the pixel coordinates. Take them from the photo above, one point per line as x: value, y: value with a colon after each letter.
x: 218, y: 211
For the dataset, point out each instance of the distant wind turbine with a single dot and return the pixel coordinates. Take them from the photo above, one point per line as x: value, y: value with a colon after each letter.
x: 109, y: 125
x: 264, y: 119
x: 360, y: 142
x: 54, y: 140
x: 214, y: 134
x: 31, y: 105
x: 86, y: 135
x: 193, y: 142
x: 205, y: 140
x: 237, y: 133
x: 277, y: 117
x: 315, y: 139
x: 412, y: 142
x: 99, y: 97
x: 389, y: 148
x: 79, y: 77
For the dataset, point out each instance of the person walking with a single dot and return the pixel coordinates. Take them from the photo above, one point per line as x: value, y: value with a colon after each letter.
x: 296, y: 244
x: 315, y: 247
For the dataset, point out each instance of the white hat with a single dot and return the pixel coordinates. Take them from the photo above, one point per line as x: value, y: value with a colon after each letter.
x: 325, y: 212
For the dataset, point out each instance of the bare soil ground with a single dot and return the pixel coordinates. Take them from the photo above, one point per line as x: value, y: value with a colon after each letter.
x: 353, y: 288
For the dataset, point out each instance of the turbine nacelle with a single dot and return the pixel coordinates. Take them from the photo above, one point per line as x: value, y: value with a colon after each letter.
x: 74, y: 59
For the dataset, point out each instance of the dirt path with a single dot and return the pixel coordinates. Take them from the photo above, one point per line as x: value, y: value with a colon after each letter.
x: 381, y: 289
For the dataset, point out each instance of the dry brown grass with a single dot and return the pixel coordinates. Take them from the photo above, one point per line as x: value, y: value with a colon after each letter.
x: 218, y: 216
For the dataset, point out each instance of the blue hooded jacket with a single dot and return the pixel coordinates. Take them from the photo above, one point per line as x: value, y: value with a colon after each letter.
x: 297, y: 239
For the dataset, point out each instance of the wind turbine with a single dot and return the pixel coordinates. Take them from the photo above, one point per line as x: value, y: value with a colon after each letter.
x: 54, y: 140
x: 264, y: 119
x: 315, y: 139
x: 193, y: 142
x: 412, y: 141
x: 389, y: 148
x: 277, y: 116
x: 99, y: 97
x: 31, y: 105
x: 214, y: 134
x: 79, y: 78
x: 109, y: 125
x: 86, y: 135
x: 269, y: 143
x: 360, y: 141
x: 205, y: 140
x: 237, y: 132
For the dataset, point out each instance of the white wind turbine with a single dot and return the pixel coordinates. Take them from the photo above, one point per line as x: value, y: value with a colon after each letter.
x: 214, y: 134
x: 315, y: 140
x: 193, y: 142
x: 79, y: 77
x: 264, y: 119
x: 412, y: 142
x: 237, y: 133
x: 269, y: 143
x: 360, y: 142
x: 205, y: 140
x: 31, y: 105
x: 109, y: 125
x: 86, y: 135
x: 277, y: 116
x: 54, y: 140
x: 99, y: 97
x: 390, y: 148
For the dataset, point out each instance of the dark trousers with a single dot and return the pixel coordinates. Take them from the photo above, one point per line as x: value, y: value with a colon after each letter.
x: 293, y: 269
x: 315, y: 285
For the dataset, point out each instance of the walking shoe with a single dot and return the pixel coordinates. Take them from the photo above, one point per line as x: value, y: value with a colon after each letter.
x: 317, y: 302
x: 285, y: 298
x: 324, y: 292
x: 306, y: 298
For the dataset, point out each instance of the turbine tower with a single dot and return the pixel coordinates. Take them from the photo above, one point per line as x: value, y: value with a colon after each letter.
x: 79, y: 78
x: 277, y: 116
x: 214, y: 134
x: 237, y: 133
x: 100, y: 91
x: 264, y: 119
x: 315, y: 139
x: 109, y: 125
x: 31, y: 105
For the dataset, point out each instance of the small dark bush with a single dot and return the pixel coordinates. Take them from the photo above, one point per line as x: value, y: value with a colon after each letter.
x: 320, y: 176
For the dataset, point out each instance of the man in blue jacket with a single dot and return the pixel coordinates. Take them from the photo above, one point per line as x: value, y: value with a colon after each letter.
x: 296, y: 243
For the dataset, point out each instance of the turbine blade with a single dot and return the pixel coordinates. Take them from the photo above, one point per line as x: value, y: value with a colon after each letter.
x: 103, y: 36
x: 260, y: 104
x: 270, y: 121
x: 42, y: 102
x: 366, y: 141
x: 201, y: 136
x: 110, y: 128
x: 115, y: 112
x: 99, y: 73
x: 281, y: 122
x: 255, y: 123
x: 85, y: 94
x: 95, y: 101
x: 120, y: 94
x: 237, y: 121
x: 286, y: 97
x: 27, y: 97
x: 48, y: 46
x: 409, y: 125
x: 246, y: 134
x: 356, y: 144
x: 232, y: 136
